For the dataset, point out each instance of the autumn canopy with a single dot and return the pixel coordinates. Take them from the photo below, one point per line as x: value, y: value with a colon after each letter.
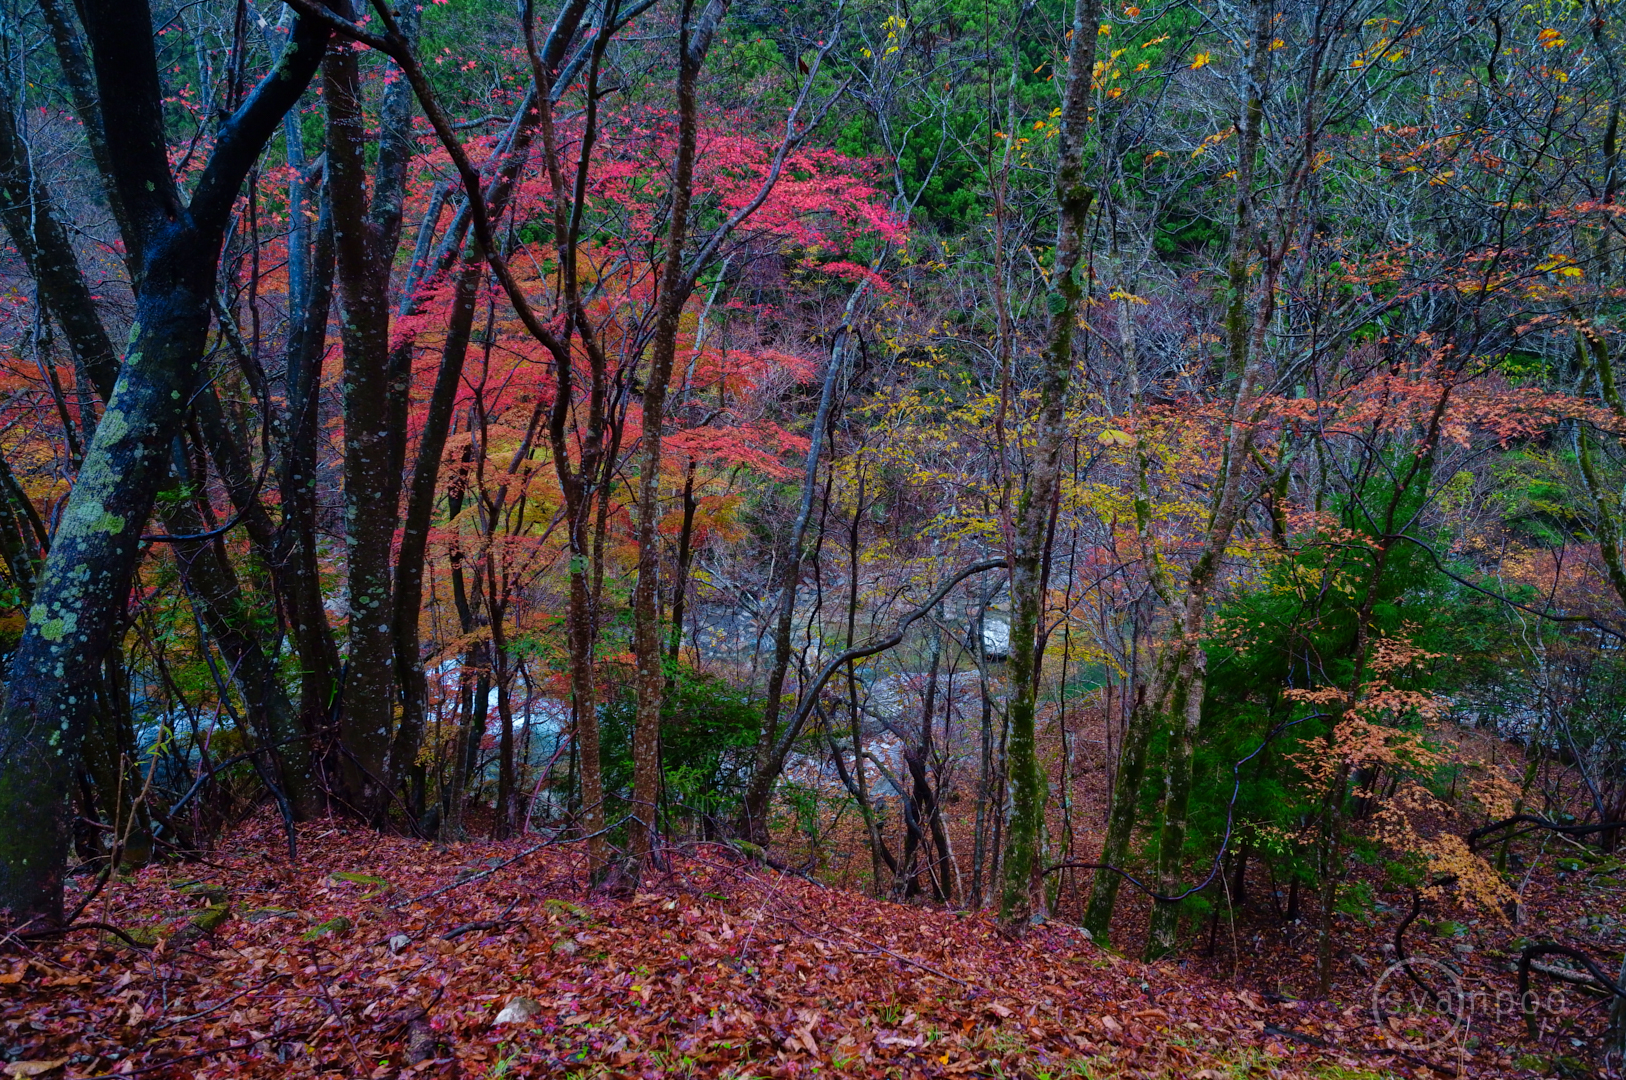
x: 649, y: 487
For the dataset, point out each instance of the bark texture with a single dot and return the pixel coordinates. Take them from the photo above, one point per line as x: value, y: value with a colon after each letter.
x: 86, y: 579
x: 1022, y: 895
x: 367, y: 231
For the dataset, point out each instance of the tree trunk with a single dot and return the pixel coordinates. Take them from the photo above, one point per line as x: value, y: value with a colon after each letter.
x: 366, y: 237
x: 32, y: 223
x: 1615, y: 1038
x: 502, y: 826
x: 866, y: 806
x: 422, y: 493
x: 674, y: 291
x: 920, y: 802
x: 1177, y: 687
x: 985, y: 799
x: 765, y: 764
x: 1185, y: 711
x: 680, y: 575
x: 1143, y: 720
x: 423, y: 488
x: 95, y: 550
x: 77, y: 73
x: 217, y: 597
x: 86, y: 579
x: 295, y: 556
x: 502, y: 679
x: 113, y: 764
x: 1022, y: 895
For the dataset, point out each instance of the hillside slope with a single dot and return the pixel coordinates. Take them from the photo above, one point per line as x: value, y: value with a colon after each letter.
x: 501, y: 965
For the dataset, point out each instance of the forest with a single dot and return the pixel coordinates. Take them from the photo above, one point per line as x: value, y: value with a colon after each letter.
x: 1000, y: 538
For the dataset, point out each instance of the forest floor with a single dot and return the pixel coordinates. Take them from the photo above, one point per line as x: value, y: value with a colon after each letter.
x: 385, y: 957
x: 1261, y: 942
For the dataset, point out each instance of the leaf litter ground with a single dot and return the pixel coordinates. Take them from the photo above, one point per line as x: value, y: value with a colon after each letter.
x: 381, y: 957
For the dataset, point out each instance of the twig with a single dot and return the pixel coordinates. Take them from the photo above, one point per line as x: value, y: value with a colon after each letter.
x: 878, y: 950
x: 1537, y: 822
x: 1574, y: 978
x: 759, y: 856
x: 321, y: 984
x: 1297, y: 1036
x: 171, y: 1061
x: 506, y: 862
x: 1225, y: 840
x: 483, y: 924
x: 756, y: 920
x: 472, y: 877
x: 219, y: 1005
x: 1400, y: 931
x: 101, y: 880
x: 1527, y: 958
x: 33, y: 935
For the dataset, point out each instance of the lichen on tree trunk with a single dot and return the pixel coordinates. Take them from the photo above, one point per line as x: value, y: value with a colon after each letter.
x: 83, y: 586
x: 1022, y: 895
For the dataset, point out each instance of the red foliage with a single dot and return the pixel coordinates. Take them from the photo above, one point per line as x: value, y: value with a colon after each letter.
x: 720, y: 964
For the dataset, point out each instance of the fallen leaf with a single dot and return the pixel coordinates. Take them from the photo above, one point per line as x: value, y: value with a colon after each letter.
x: 34, y: 1068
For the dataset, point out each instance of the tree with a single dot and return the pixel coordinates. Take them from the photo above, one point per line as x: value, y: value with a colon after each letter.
x: 1021, y: 897
x: 86, y: 577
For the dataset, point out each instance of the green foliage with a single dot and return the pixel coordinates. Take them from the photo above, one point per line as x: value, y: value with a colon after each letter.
x: 1356, y: 899
x: 1406, y: 873
x: 1297, y: 627
x: 1539, y: 496
x: 707, y: 730
x: 468, y: 52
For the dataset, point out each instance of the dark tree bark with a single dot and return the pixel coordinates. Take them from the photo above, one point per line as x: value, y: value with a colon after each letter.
x: 675, y: 286
x: 502, y: 676
x: 31, y: 221
x: 217, y: 597
x: 423, y: 491
x: 577, y: 482
x: 680, y: 575
x: 366, y: 234
x: 294, y: 550
x: 768, y: 761
x: 774, y: 756
x: 207, y: 575
x: 86, y: 580
x: 110, y: 766
x: 919, y: 800
x: 77, y: 73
